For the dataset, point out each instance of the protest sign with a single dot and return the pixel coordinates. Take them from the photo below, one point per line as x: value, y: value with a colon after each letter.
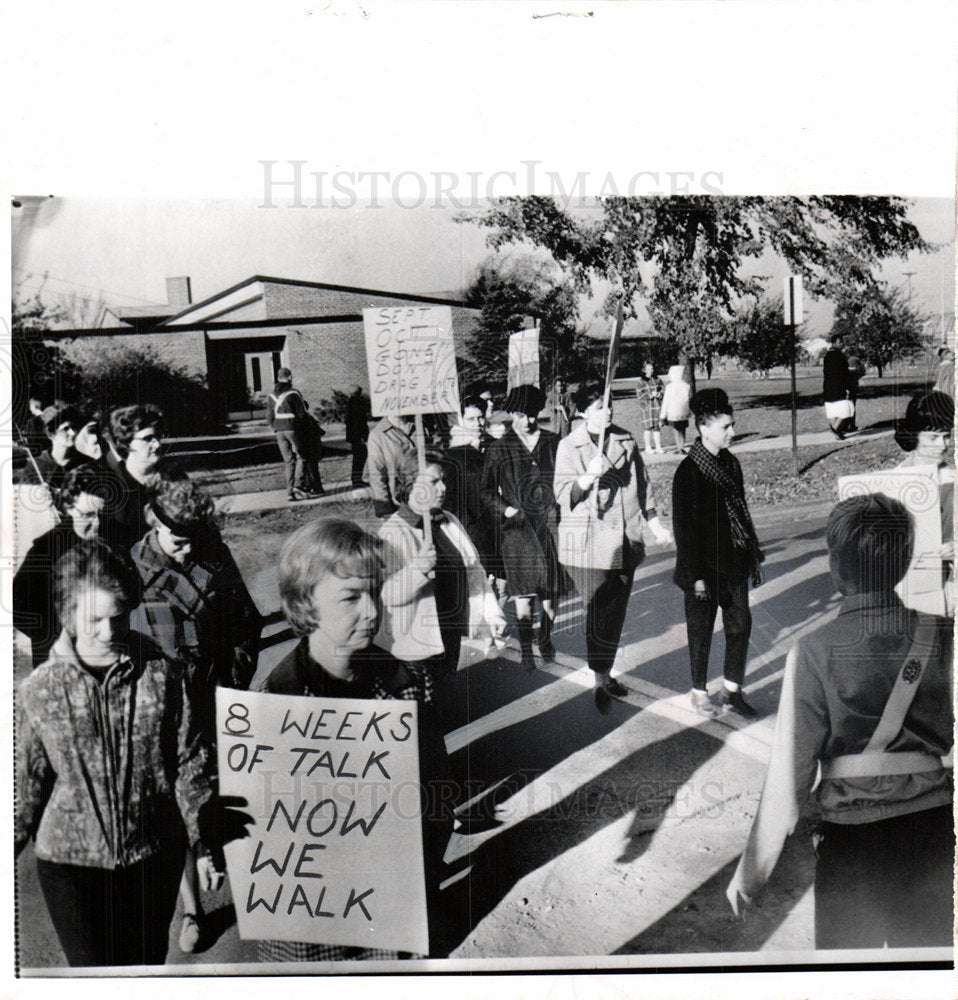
x: 335, y: 854
x: 917, y: 489
x: 411, y: 359
x: 523, y: 359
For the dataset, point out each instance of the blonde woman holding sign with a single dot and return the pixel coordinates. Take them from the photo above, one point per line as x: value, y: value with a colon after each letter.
x: 330, y: 576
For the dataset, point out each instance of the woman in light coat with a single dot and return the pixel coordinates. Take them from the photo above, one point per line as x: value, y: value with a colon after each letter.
x: 605, y: 500
x: 437, y: 602
x: 675, y: 405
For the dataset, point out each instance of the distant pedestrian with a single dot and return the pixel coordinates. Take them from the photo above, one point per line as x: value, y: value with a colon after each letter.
x: 648, y: 392
x: 557, y: 404
x: 517, y: 489
x: 675, y: 405
x: 60, y: 422
x: 605, y: 500
x: 357, y: 418
x: 286, y: 413
x: 839, y: 409
x: 717, y: 551
x: 865, y: 717
x: 945, y: 379
x: 390, y: 447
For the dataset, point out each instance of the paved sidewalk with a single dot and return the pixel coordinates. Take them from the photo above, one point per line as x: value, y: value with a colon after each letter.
x: 337, y: 493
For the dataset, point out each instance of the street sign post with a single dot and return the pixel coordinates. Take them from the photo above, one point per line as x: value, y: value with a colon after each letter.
x: 793, y: 317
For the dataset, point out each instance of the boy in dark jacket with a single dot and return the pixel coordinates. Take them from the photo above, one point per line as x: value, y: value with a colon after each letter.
x: 717, y: 551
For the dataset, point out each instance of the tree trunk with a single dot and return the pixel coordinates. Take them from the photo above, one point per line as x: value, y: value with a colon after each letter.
x: 880, y: 369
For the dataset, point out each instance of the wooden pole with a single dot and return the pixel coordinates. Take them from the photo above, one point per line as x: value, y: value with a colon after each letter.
x: 421, y: 460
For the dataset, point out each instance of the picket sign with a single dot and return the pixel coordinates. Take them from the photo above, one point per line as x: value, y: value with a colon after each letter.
x: 335, y: 852
x: 917, y: 489
x: 523, y: 359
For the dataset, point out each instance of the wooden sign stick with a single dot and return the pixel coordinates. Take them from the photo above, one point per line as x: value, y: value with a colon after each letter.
x: 421, y: 458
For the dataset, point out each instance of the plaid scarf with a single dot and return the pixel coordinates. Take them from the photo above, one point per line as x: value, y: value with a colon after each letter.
x: 743, y: 531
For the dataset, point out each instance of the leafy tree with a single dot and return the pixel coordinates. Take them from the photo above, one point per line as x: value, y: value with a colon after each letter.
x: 508, y: 289
x: 758, y: 337
x: 685, y: 315
x: 879, y: 325
x: 39, y: 367
x: 832, y: 241
x: 116, y: 374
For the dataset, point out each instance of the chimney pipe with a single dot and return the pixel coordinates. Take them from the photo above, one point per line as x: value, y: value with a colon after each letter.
x: 178, y: 292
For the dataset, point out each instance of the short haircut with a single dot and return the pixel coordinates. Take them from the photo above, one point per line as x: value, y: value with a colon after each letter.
x: 871, y: 537
x: 182, y: 506
x: 707, y: 404
x: 928, y: 411
x: 128, y: 421
x: 406, y: 476
x: 57, y: 415
x: 87, y: 566
x: 314, y: 551
x: 474, y: 400
x: 587, y: 393
x: 86, y: 478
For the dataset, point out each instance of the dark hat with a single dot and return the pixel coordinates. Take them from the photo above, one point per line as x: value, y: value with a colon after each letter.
x: 711, y: 400
x: 284, y: 375
x: 527, y: 399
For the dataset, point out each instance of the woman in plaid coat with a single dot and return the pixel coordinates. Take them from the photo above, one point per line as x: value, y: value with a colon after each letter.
x: 196, y: 607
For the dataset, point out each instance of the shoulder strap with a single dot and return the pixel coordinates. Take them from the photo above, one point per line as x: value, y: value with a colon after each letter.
x: 906, y: 686
x: 283, y: 396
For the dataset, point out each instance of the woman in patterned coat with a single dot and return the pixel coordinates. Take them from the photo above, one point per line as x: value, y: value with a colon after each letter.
x: 110, y: 772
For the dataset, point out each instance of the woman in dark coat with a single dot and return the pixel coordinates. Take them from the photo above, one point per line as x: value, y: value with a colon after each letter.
x: 517, y: 478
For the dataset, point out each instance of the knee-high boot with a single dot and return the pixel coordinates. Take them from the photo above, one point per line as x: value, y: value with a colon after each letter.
x: 546, y: 649
x: 524, y: 626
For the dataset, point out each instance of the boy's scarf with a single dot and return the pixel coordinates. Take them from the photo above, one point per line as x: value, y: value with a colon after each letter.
x: 743, y: 531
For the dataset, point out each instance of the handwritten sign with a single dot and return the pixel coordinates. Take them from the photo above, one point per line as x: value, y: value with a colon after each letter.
x: 917, y: 489
x: 335, y: 855
x: 523, y: 358
x: 411, y: 358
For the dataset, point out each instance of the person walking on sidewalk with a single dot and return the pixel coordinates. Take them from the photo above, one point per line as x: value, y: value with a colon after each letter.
x: 839, y: 410
x: 605, y: 499
x: 517, y: 479
x: 286, y: 413
x: 717, y: 551
x: 675, y: 406
x: 357, y: 432
x: 866, y: 704
x: 648, y: 392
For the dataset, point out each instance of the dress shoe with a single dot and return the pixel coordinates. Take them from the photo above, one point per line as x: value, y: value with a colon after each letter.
x: 733, y: 701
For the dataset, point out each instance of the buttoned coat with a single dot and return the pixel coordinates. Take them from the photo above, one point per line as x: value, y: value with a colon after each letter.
x: 512, y: 476
x: 594, y: 533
